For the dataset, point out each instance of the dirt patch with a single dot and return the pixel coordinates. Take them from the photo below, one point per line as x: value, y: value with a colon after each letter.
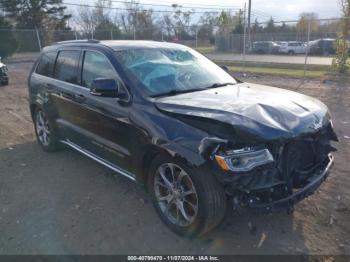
x: 64, y: 203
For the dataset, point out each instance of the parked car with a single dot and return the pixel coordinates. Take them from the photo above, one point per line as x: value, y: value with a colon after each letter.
x: 279, y: 43
x: 265, y: 47
x: 293, y: 47
x: 165, y: 116
x: 323, y: 47
x: 4, y: 79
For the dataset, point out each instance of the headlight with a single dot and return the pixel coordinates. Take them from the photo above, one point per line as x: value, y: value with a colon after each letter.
x: 244, y: 160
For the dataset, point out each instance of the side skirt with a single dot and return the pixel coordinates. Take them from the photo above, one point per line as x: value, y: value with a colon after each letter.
x: 99, y: 160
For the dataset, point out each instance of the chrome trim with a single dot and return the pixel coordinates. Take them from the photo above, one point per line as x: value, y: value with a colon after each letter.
x: 99, y: 160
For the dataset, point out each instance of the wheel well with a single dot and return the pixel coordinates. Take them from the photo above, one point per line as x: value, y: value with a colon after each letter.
x: 150, y: 154
x: 32, y: 109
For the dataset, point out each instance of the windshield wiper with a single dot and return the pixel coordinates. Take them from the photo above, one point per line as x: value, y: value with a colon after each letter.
x: 216, y: 85
x: 176, y: 92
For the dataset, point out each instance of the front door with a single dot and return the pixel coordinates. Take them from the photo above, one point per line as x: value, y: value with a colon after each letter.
x: 104, y: 127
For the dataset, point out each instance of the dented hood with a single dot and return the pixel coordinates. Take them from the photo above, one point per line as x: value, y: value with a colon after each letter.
x: 262, y: 111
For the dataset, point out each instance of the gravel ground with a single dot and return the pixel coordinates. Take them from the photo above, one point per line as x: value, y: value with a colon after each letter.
x: 64, y: 203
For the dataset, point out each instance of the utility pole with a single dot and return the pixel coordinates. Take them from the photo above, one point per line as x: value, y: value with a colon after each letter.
x: 244, y: 35
x: 249, y: 22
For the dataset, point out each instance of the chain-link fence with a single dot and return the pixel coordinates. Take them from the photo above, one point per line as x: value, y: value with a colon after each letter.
x: 310, y: 45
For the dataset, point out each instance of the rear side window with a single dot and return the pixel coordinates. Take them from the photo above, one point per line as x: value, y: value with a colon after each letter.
x: 46, y: 64
x: 66, y: 66
x: 96, y: 65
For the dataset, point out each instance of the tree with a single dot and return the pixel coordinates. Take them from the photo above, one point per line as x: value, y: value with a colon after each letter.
x: 36, y: 13
x: 206, y: 30
x: 304, y: 20
x: 270, y: 27
x: 8, y: 43
x: 239, y: 23
x: 138, y: 21
x: 225, y: 23
x: 181, y: 21
x: 92, y: 19
x: 340, y: 62
x: 256, y: 28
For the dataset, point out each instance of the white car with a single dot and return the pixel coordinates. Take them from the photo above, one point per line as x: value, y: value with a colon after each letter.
x: 293, y: 47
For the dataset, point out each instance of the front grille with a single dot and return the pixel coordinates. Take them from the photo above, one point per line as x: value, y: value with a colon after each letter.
x: 303, y: 155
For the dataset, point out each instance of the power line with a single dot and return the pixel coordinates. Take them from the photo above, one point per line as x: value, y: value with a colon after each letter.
x: 206, y: 5
x: 217, y: 7
x: 140, y: 10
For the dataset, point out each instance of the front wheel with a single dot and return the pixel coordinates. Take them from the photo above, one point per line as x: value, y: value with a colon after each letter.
x: 44, y: 131
x: 188, y: 202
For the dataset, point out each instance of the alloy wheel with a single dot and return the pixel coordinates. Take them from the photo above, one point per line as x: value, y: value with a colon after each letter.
x: 42, y: 128
x: 176, y: 194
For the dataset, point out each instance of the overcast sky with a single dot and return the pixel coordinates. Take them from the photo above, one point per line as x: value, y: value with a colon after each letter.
x: 262, y: 9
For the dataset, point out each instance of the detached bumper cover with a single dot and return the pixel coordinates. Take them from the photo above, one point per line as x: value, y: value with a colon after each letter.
x: 298, y: 196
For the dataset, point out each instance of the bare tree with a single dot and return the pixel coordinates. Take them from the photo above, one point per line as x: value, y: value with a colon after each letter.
x: 340, y: 62
x: 304, y: 20
x: 88, y: 19
x: 138, y: 21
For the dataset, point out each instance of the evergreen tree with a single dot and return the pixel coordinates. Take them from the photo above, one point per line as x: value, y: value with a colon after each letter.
x: 8, y: 43
x: 270, y: 28
x: 36, y: 13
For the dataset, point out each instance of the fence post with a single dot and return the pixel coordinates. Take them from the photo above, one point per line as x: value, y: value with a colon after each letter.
x: 196, y: 37
x: 134, y: 33
x: 92, y: 34
x: 162, y: 34
x: 307, y: 47
x: 38, y: 38
x: 111, y: 33
x: 76, y: 35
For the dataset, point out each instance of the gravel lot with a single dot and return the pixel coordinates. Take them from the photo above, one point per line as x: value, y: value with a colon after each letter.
x: 64, y: 203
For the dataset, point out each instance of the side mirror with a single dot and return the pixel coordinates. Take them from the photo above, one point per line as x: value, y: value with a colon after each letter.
x: 225, y: 68
x: 105, y: 87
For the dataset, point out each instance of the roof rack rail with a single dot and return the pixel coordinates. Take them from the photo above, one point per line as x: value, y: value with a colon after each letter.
x: 93, y: 41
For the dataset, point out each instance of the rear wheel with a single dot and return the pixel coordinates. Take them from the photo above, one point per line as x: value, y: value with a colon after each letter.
x: 291, y: 52
x: 44, y: 131
x: 189, y: 203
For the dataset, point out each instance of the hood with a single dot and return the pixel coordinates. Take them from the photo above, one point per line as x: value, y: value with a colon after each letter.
x: 264, y: 112
x: 1, y: 65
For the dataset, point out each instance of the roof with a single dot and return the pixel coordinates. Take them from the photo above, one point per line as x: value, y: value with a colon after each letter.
x: 138, y: 44
x: 124, y: 44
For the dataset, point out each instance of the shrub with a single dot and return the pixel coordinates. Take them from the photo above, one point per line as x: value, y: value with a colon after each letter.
x: 8, y: 43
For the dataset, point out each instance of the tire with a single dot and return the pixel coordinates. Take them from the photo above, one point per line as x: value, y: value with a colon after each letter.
x: 44, y: 128
x: 205, y: 193
x: 291, y: 52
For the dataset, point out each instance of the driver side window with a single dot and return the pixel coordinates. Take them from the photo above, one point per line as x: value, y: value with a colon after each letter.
x: 96, y: 65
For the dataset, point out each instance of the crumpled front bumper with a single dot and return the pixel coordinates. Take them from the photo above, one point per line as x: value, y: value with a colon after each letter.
x: 288, y: 202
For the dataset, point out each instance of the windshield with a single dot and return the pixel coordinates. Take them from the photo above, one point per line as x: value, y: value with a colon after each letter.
x: 173, y: 70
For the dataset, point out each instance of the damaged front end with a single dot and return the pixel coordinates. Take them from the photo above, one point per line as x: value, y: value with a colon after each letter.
x: 275, y: 174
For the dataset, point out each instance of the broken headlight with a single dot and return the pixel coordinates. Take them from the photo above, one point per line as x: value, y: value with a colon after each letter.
x: 244, y: 160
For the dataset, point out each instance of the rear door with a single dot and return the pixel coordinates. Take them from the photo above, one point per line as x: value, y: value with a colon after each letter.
x: 63, y: 90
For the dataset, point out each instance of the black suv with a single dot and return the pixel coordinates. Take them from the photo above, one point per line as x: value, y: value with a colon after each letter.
x: 165, y: 116
x: 323, y: 47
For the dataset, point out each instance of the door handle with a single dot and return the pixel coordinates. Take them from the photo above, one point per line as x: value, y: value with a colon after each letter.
x: 79, y: 98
